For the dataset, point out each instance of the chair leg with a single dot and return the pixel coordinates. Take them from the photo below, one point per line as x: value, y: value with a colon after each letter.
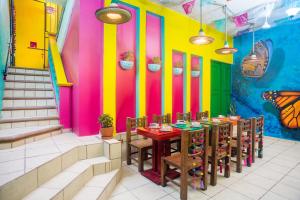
x: 227, y: 166
x: 163, y: 172
x: 213, y: 175
x: 140, y: 160
x: 128, y: 154
x: 260, y: 147
x: 249, y: 161
x: 238, y: 159
x: 183, y: 185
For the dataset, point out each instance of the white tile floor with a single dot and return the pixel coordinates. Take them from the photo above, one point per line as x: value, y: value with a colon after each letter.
x: 275, y: 177
x: 17, y: 161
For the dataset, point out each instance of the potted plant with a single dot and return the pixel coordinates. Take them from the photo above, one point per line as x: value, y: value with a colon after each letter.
x: 155, y: 65
x: 178, y: 68
x: 195, y: 70
x: 107, y: 129
x: 127, y: 60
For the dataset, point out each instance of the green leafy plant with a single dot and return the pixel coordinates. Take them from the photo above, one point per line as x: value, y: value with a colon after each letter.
x: 156, y: 60
x: 128, y: 56
x: 232, y: 109
x: 196, y: 67
x: 178, y: 64
x: 106, y: 121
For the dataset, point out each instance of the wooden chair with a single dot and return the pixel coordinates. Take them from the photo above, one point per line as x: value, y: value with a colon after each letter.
x: 257, y: 136
x: 184, y: 116
x: 220, y: 150
x: 241, y: 144
x: 140, y: 146
x: 200, y: 115
x: 193, y: 156
x: 162, y: 119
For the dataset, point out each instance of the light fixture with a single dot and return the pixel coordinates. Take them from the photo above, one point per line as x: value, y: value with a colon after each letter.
x: 291, y: 12
x: 252, y: 54
x: 113, y: 14
x: 201, y: 38
x: 266, y: 24
x: 226, y: 49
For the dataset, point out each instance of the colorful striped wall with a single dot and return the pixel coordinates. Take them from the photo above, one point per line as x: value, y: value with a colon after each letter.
x: 160, y: 32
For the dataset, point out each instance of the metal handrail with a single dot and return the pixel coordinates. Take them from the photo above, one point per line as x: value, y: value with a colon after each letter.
x: 9, y: 51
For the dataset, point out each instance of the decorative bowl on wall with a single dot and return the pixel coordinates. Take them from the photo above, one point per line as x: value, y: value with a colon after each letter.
x: 126, y: 64
x: 195, y: 73
x: 154, y: 67
x: 177, y: 70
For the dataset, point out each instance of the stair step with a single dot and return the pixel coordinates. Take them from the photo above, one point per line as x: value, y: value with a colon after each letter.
x: 27, y: 81
x: 68, y: 182
x: 16, y: 134
x: 99, y: 187
x: 29, y: 112
x: 13, y: 102
x: 27, y: 94
x: 29, y: 89
x: 28, y: 108
x: 28, y: 74
x: 26, y: 98
x: 16, y: 68
x: 34, y: 85
x: 24, y: 77
x: 28, y: 121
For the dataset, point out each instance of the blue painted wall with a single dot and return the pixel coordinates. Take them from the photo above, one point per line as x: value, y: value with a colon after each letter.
x: 4, y: 39
x: 283, y: 74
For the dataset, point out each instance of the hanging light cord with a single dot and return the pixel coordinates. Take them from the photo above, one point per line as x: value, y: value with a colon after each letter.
x: 201, y: 20
x: 225, y: 7
x: 253, y: 39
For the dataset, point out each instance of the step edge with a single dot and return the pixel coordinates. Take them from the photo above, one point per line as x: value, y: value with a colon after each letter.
x: 27, y: 81
x: 29, y: 89
x: 26, y: 119
x: 27, y: 74
x: 28, y: 108
x: 26, y: 135
x: 27, y: 98
x: 37, y: 69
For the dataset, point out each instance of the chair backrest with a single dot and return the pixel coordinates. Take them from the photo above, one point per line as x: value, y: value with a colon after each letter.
x: 221, y: 138
x: 194, y: 146
x: 184, y: 116
x: 162, y: 119
x: 132, y: 124
x: 244, y: 128
x: 200, y: 115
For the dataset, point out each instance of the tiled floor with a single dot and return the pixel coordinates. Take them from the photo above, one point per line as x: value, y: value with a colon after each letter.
x: 17, y: 161
x: 275, y: 177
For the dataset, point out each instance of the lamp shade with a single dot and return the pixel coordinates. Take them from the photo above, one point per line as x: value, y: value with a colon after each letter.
x: 226, y: 50
x: 201, y: 39
x: 113, y: 14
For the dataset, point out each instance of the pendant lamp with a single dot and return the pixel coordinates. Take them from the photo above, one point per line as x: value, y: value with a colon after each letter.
x: 113, y: 14
x: 252, y: 54
x: 226, y: 49
x: 201, y: 38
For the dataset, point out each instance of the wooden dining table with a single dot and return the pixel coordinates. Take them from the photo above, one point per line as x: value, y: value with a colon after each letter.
x: 160, y: 147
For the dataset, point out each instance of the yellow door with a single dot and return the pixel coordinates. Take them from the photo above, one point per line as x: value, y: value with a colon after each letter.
x: 30, y: 29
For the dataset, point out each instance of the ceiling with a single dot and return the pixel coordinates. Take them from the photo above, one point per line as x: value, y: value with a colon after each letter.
x: 257, y: 11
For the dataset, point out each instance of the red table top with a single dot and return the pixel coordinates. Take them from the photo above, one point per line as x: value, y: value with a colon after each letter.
x: 158, y: 135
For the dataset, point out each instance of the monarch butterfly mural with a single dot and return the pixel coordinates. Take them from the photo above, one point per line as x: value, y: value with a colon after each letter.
x: 288, y: 104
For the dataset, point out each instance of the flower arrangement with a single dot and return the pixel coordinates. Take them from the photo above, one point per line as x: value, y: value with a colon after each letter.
x: 155, y: 65
x: 178, y: 64
x: 127, y: 60
x: 195, y: 70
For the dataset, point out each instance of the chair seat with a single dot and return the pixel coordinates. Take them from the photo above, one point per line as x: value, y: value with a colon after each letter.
x: 175, y: 139
x: 175, y: 160
x: 142, y: 143
x: 219, y: 154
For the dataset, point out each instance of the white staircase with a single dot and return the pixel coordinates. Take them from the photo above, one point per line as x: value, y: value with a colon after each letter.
x: 29, y: 109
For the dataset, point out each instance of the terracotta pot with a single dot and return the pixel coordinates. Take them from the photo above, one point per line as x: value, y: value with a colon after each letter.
x: 107, y: 133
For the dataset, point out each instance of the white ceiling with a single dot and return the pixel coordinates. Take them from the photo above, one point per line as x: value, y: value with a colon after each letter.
x: 257, y: 10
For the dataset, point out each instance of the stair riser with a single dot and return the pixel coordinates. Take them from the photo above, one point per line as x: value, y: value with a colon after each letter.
x: 32, y: 102
x: 21, y: 85
x: 27, y: 93
x: 27, y: 78
x: 29, y: 71
x: 28, y: 124
x: 28, y: 113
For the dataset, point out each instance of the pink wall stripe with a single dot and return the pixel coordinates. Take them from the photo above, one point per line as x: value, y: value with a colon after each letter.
x: 153, y: 79
x: 126, y: 83
x: 65, y: 111
x: 195, y: 86
x: 177, y: 88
